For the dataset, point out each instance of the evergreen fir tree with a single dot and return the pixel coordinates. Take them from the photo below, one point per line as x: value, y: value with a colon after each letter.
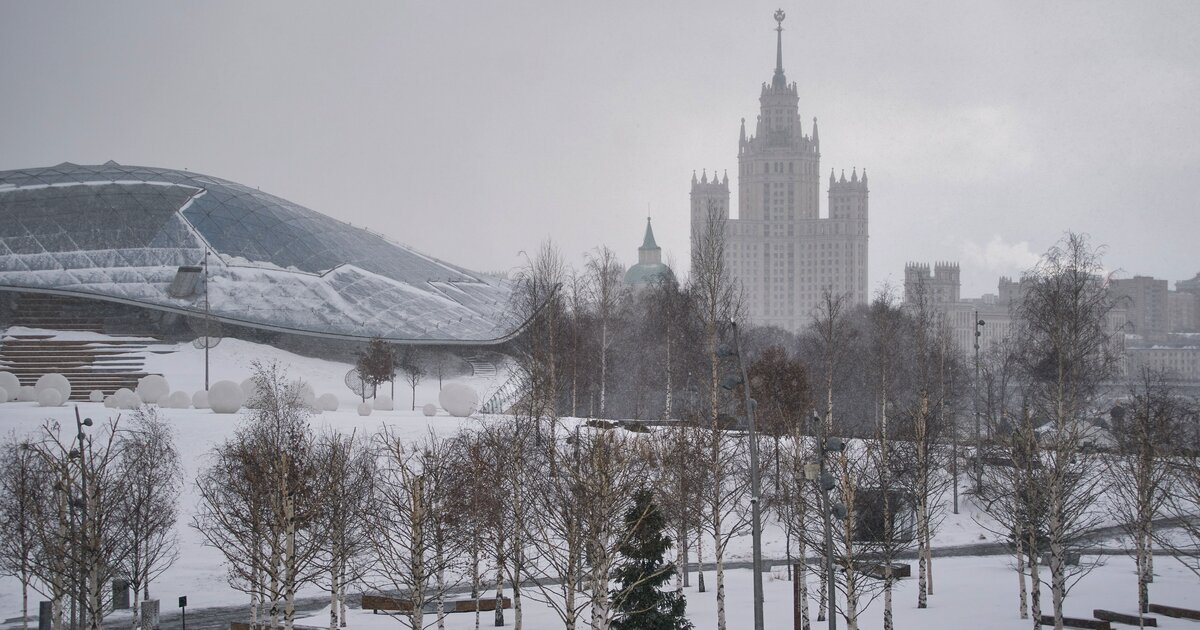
x: 640, y: 604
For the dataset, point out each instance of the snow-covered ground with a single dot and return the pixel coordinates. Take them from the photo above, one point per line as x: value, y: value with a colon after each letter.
x: 972, y: 592
x: 199, y: 572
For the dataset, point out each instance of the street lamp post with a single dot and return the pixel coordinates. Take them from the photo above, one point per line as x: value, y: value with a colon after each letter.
x: 979, y: 323
x: 84, y: 535
x: 207, y: 321
x: 755, y: 516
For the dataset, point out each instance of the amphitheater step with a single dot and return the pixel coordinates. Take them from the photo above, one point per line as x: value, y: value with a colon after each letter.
x: 89, y: 361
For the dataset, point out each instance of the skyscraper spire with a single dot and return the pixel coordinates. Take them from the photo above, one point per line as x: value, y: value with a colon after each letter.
x: 779, y: 81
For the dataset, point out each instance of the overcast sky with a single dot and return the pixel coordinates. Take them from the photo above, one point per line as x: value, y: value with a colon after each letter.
x: 475, y: 130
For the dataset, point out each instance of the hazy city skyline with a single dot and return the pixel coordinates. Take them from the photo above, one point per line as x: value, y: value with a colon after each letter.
x: 474, y: 131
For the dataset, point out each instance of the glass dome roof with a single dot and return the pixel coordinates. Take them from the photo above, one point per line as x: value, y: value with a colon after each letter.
x: 123, y: 232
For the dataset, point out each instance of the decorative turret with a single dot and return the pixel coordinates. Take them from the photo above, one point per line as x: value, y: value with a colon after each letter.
x: 708, y: 196
x: 848, y: 196
x: 941, y: 286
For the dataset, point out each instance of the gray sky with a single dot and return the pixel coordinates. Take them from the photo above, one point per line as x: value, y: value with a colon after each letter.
x: 472, y: 131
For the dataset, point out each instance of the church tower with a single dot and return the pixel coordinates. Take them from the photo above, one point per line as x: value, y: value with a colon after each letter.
x: 780, y: 249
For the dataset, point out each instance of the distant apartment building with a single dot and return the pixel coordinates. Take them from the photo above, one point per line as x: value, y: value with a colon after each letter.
x: 1183, y: 312
x: 1183, y: 306
x: 942, y: 286
x: 1145, y: 302
x: 990, y: 315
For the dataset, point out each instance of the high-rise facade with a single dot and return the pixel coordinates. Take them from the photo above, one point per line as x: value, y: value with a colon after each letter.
x: 780, y: 249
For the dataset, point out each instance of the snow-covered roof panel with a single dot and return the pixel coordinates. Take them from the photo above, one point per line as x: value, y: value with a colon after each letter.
x: 122, y: 232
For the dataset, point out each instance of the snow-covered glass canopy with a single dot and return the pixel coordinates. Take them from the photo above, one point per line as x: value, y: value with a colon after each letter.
x: 123, y: 233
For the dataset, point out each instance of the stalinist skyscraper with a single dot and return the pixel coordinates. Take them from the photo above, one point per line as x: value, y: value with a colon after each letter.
x: 779, y: 248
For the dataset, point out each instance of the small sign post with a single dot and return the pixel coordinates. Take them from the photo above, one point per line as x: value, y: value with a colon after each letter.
x: 183, y: 610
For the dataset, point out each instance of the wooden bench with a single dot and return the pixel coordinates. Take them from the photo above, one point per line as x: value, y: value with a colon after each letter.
x: 1175, y: 611
x: 377, y: 603
x: 1078, y: 622
x: 1132, y: 620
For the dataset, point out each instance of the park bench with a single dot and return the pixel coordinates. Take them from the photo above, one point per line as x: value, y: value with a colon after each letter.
x: 387, y: 603
x: 1175, y: 611
x: 1132, y: 620
x: 1078, y: 622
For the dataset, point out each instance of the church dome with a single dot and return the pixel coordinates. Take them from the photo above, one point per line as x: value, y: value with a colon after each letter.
x: 650, y: 267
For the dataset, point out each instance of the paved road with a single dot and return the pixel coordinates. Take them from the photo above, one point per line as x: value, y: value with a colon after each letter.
x: 219, y: 618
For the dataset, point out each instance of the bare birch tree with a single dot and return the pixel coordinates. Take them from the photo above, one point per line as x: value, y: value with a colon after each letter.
x: 153, y: 476
x: 606, y: 289
x: 1068, y: 353
x: 1138, y: 469
x: 24, y: 479
x: 717, y: 302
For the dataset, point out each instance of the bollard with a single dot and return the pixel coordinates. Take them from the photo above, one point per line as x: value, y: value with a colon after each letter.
x: 45, y: 616
x: 150, y: 615
x: 120, y: 594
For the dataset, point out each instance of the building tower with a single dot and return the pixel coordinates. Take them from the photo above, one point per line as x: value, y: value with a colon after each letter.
x: 779, y: 248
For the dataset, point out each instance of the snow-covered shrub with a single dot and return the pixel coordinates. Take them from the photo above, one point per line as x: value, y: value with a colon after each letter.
x: 327, y: 402
x: 429, y: 409
x: 307, y: 395
x: 177, y: 400
x: 249, y: 393
x: 96, y: 395
x: 226, y: 397
x: 200, y: 399
x: 54, y: 381
x: 50, y: 397
x: 364, y: 409
x: 9, y: 382
x: 27, y: 393
x: 4, y: 396
x: 110, y: 401
x: 459, y: 399
x: 153, y: 389
x: 383, y: 403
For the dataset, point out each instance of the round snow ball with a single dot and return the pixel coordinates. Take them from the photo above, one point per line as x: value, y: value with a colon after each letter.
x: 4, y: 397
x: 178, y: 400
x: 27, y: 394
x: 200, y: 400
x: 327, y: 402
x: 124, y: 398
x: 383, y: 403
x: 153, y: 389
x: 364, y: 409
x: 96, y: 396
x: 55, y: 381
x: 429, y: 409
x: 110, y: 401
x: 226, y: 397
x: 249, y: 391
x: 50, y: 397
x: 459, y: 399
x: 9, y: 382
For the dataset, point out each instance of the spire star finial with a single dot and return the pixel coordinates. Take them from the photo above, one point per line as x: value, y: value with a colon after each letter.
x: 778, y: 81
